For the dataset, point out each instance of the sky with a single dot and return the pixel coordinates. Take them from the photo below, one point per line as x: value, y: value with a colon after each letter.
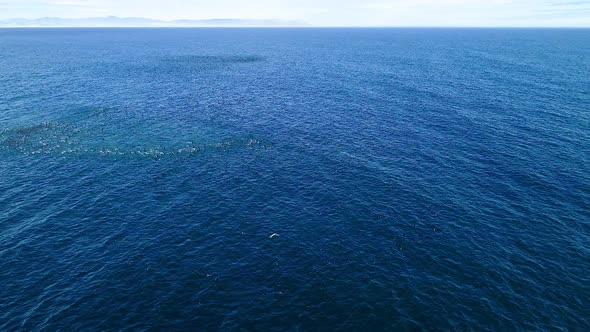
x: 489, y: 13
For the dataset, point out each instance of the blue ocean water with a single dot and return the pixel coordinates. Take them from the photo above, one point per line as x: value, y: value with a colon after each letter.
x: 294, y: 179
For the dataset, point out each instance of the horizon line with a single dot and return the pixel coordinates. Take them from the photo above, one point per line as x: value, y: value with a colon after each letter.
x: 297, y: 27
x: 229, y: 23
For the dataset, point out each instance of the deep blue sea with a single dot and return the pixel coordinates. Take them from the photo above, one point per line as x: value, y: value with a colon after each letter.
x: 294, y: 179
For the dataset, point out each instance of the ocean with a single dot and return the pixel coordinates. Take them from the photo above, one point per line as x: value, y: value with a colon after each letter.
x: 294, y: 179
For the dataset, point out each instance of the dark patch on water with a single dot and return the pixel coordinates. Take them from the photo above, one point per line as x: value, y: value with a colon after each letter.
x: 214, y: 59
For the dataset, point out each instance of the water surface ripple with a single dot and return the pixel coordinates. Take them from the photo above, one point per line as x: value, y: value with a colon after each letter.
x: 294, y: 179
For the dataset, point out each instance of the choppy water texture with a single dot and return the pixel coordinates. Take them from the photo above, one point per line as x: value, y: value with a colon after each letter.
x: 284, y: 179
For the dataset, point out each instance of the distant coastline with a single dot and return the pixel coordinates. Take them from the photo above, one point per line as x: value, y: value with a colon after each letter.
x: 140, y: 22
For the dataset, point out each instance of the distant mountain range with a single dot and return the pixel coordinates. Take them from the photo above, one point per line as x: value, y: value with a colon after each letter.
x: 113, y: 21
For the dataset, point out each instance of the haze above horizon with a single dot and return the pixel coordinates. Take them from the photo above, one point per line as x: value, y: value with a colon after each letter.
x: 407, y: 13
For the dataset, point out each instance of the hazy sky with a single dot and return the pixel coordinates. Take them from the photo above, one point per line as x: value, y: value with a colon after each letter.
x: 323, y: 12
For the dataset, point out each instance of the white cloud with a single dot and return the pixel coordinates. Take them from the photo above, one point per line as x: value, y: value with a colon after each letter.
x: 72, y: 3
